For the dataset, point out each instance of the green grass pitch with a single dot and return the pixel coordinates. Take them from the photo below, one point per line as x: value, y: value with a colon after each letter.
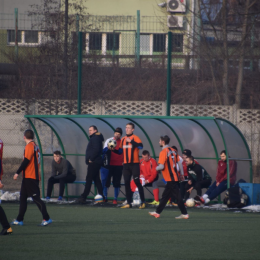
x: 95, y: 232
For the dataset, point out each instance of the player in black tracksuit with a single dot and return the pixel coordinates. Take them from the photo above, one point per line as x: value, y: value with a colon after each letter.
x: 198, y: 178
x: 94, y: 161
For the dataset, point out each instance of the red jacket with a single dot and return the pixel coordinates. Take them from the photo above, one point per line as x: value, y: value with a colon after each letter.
x: 116, y: 159
x: 222, y: 171
x: 147, y: 171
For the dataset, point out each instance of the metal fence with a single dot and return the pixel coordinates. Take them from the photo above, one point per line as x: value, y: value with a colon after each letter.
x: 107, y: 40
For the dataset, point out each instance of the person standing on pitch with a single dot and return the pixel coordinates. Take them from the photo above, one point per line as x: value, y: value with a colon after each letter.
x: 168, y: 161
x: 7, y: 230
x: 93, y: 160
x: 113, y: 167
x: 30, y: 183
x: 130, y: 146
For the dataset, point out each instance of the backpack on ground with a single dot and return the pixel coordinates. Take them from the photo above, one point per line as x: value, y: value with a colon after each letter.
x: 235, y: 198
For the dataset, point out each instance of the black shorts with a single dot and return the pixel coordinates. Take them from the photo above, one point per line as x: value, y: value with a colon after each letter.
x: 30, y: 188
x: 115, y: 172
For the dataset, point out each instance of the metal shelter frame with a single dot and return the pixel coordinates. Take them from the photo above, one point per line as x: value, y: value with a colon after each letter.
x: 164, y: 120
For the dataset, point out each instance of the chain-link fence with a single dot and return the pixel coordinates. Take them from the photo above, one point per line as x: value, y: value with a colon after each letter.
x: 124, y: 57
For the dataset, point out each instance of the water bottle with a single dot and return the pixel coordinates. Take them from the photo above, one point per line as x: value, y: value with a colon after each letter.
x: 136, y: 198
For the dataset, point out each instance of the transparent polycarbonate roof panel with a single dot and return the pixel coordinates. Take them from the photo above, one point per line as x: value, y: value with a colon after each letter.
x: 73, y: 139
x: 74, y: 142
x: 121, y: 122
x: 102, y: 127
x: 211, y: 166
x: 48, y: 139
x: 213, y: 130
x: 154, y: 129
x: 192, y: 137
x: 243, y: 170
x: 78, y: 162
x: 235, y: 144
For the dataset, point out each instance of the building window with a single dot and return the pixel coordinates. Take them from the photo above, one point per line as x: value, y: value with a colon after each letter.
x: 11, y: 36
x: 31, y: 37
x: 95, y: 41
x: 145, y: 44
x: 159, y: 41
x: 26, y: 38
x: 209, y: 39
x: 177, y: 43
x: 112, y: 41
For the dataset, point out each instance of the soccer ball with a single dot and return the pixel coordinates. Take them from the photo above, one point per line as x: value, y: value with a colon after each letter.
x: 98, y: 198
x: 190, y: 202
x: 111, y: 144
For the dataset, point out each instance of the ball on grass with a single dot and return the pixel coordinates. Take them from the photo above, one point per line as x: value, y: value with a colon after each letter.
x: 190, y: 202
x: 98, y: 198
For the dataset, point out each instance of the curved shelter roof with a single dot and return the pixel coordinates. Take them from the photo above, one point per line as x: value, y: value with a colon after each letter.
x: 206, y: 137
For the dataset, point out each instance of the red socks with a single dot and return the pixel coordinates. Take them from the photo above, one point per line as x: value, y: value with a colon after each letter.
x: 156, y: 194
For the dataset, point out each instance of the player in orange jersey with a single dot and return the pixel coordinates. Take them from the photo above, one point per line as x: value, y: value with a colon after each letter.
x: 130, y: 146
x: 168, y: 161
x: 31, y: 177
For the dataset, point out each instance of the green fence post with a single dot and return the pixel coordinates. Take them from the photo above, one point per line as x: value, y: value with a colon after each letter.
x: 79, y: 70
x: 16, y: 32
x: 77, y: 23
x: 138, y: 39
x: 168, y: 109
x: 113, y: 48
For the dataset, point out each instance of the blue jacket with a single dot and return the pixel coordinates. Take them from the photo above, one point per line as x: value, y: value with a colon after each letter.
x: 94, y: 148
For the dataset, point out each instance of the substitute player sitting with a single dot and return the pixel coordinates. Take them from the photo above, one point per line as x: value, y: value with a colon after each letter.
x: 185, y: 153
x: 198, y: 177
x: 220, y: 184
x: 168, y: 160
x: 147, y: 171
x: 62, y: 172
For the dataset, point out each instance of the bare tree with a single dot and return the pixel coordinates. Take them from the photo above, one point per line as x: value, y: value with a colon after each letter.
x: 221, y: 31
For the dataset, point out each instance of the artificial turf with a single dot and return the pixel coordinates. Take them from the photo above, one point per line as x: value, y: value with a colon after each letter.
x: 95, y: 232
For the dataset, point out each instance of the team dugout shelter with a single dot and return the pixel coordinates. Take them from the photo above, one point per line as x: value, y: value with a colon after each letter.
x: 206, y: 137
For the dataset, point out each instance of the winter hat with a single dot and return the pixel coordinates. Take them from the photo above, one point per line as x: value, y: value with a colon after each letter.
x: 119, y: 130
x: 187, y: 152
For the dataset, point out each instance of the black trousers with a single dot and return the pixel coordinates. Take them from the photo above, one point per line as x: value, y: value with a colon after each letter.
x: 129, y: 170
x: 116, y: 173
x: 183, y: 188
x: 62, y: 181
x: 3, y: 219
x: 199, y: 185
x: 171, y: 190
x: 30, y: 188
x: 92, y: 175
